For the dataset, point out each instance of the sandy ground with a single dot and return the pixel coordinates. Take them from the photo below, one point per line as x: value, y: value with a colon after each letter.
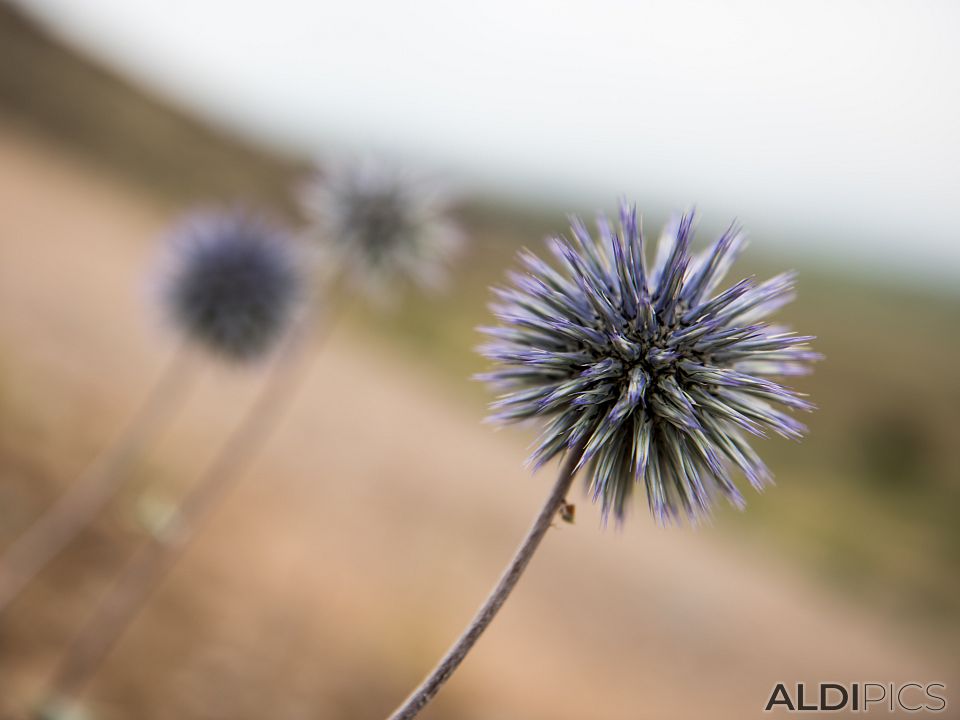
x: 366, y: 534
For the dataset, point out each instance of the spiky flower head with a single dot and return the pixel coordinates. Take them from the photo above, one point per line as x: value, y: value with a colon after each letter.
x: 649, y: 369
x: 232, y: 282
x: 383, y: 225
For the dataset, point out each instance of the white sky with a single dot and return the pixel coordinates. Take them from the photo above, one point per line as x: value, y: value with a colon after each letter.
x: 832, y: 122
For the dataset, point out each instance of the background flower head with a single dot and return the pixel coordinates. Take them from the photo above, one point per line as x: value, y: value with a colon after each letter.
x: 232, y: 282
x: 656, y: 374
x: 384, y: 226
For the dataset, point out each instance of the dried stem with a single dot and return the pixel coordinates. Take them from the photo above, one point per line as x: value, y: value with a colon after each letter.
x: 150, y: 564
x: 456, y: 654
x: 87, y: 495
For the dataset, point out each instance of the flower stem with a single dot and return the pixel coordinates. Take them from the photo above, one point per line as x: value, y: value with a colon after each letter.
x: 76, y: 508
x: 456, y: 654
x: 153, y: 560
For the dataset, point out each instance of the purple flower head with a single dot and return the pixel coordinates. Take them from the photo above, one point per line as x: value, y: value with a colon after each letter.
x: 384, y: 227
x: 232, y: 282
x: 657, y: 373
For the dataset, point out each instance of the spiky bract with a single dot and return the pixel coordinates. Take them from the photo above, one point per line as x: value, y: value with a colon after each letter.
x: 648, y: 368
x: 383, y: 226
x: 233, y: 282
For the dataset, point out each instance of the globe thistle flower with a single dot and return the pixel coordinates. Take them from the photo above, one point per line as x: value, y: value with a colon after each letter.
x: 382, y: 226
x: 651, y: 369
x: 232, y: 284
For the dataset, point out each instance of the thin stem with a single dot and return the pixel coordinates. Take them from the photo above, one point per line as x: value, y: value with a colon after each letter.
x: 76, y: 508
x: 456, y: 654
x: 154, y: 559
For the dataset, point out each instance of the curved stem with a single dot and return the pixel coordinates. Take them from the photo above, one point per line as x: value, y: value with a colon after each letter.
x: 456, y: 654
x: 76, y: 508
x: 150, y: 564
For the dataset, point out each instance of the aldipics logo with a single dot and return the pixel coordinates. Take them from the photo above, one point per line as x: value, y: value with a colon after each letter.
x: 859, y: 696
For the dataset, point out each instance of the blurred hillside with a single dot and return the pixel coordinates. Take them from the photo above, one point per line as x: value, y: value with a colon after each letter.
x: 49, y: 89
x: 866, y: 506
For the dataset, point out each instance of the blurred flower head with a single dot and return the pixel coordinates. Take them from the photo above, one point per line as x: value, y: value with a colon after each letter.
x: 232, y: 282
x: 656, y: 375
x: 383, y: 226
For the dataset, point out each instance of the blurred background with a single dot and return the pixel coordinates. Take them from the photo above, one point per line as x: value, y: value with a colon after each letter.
x: 382, y: 511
